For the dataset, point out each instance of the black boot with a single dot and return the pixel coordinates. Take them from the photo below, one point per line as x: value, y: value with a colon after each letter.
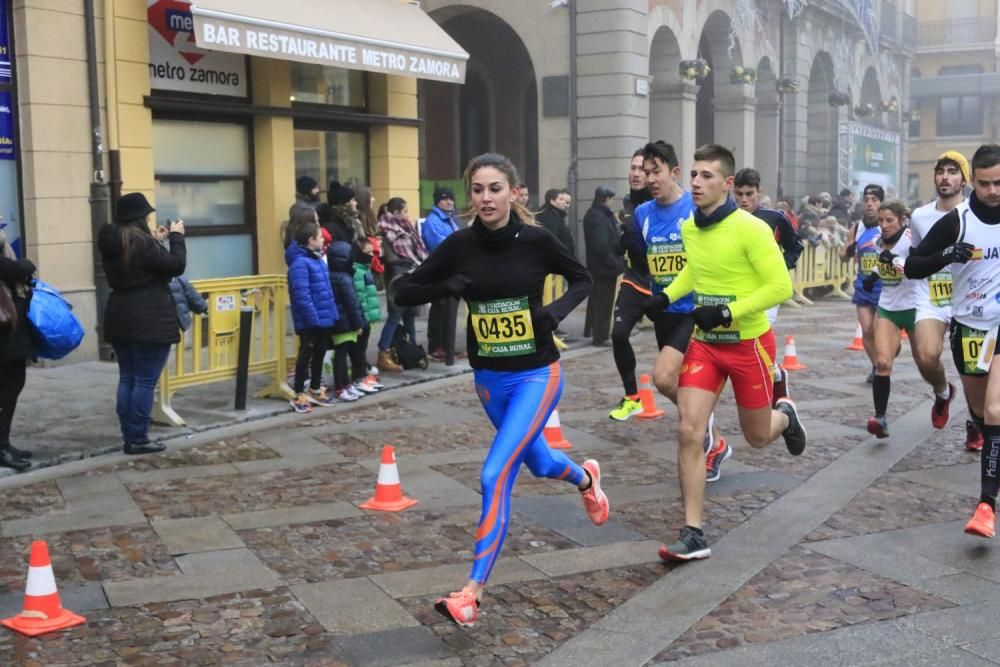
x: 19, y: 453
x: 144, y: 448
x: 9, y: 460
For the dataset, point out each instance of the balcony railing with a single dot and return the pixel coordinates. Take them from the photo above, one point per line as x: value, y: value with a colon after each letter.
x: 888, y: 23
x: 958, y: 32
x: 910, y: 33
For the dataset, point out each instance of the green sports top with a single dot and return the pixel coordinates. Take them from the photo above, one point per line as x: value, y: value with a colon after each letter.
x: 734, y: 262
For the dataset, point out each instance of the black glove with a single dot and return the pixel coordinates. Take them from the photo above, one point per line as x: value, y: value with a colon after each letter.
x: 457, y: 284
x: 958, y: 253
x: 710, y: 317
x: 886, y: 257
x: 542, y: 321
x: 851, y: 248
x: 869, y: 282
x: 655, y: 304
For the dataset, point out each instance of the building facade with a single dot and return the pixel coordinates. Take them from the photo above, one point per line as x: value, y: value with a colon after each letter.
x: 955, y: 88
x: 810, y: 92
x: 212, y: 109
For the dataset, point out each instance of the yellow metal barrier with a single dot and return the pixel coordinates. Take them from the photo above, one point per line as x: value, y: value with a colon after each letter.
x: 554, y: 287
x: 198, y: 360
x: 820, y: 266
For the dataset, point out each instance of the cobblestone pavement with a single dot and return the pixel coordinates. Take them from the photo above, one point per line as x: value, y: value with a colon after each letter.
x: 249, y: 547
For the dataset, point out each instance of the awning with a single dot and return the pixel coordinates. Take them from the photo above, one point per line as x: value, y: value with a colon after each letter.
x: 388, y: 36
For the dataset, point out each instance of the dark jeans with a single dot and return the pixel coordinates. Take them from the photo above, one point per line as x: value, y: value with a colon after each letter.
x: 12, y: 376
x: 408, y: 317
x: 139, y: 368
x: 309, y: 363
x: 443, y: 314
x: 599, y: 307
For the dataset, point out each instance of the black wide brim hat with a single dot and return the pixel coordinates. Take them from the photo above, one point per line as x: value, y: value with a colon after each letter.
x: 133, y: 206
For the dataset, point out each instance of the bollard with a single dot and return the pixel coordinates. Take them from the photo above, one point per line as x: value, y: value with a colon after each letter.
x: 243, y: 357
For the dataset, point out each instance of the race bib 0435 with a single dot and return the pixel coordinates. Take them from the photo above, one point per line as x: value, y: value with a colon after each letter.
x: 502, y: 327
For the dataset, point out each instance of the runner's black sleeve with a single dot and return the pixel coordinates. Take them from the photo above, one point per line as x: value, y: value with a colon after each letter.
x: 564, y: 263
x: 428, y: 282
x: 926, y: 260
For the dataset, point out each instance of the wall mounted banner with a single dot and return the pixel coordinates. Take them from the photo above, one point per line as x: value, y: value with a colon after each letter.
x: 177, y: 63
x: 874, y: 157
x: 5, y: 52
x: 7, y: 148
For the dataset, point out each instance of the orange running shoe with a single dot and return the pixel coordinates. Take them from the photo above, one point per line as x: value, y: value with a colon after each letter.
x: 983, y: 523
x: 594, y: 500
x: 462, y: 607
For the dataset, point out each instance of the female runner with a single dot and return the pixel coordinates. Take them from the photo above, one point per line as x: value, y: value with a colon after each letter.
x: 498, y: 265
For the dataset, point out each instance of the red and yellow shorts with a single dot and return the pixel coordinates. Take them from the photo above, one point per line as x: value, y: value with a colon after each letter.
x: 748, y: 363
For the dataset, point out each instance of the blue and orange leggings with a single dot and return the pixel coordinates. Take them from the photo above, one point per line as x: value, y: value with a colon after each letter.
x: 518, y: 403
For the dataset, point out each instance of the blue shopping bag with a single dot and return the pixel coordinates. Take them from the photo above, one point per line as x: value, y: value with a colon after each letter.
x: 55, y: 329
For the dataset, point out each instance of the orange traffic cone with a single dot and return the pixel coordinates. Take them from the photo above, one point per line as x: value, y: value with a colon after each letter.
x: 791, y: 360
x: 553, y: 432
x: 649, y: 410
x: 856, y: 344
x: 388, y: 491
x: 43, y: 611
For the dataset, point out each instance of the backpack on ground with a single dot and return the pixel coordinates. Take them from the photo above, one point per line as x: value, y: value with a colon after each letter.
x: 408, y: 354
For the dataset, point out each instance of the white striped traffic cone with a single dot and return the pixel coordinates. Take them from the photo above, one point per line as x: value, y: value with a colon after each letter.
x: 42, y: 610
x: 791, y: 360
x: 388, y: 491
x: 553, y: 432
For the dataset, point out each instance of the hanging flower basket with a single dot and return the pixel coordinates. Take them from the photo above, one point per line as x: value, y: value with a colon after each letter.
x: 744, y: 75
x: 693, y: 70
x: 892, y: 106
x: 864, y: 110
x: 838, y: 98
x: 786, y: 85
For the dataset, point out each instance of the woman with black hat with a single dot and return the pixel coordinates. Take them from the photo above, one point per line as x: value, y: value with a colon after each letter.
x: 16, y: 349
x: 140, y: 320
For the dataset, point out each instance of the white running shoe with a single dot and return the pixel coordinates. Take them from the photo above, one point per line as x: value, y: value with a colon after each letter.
x: 364, y: 387
x: 347, y: 395
x: 373, y: 370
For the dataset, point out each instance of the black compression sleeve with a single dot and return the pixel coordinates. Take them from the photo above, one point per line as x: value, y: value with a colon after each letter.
x: 426, y: 282
x: 925, y: 259
x: 566, y: 265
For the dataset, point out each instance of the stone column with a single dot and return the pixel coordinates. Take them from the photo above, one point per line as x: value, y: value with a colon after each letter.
x: 612, y: 113
x: 672, y: 118
x: 766, y: 145
x: 734, y: 126
x: 274, y: 160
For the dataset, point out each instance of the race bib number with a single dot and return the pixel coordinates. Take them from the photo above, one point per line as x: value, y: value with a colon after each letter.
x: 972, y: 347
x: 503, y: 327
x: 890, y: 277
x: 728, y: 334
x: 868, y: 263
x: 665, y: 261
x: 939, y: 285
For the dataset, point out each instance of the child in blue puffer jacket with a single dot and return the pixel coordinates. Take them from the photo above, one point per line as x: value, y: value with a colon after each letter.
x: 314, y: 313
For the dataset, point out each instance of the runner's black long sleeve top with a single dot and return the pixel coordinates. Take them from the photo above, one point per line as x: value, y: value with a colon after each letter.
x: 926, y: 258
x: 509, y: 263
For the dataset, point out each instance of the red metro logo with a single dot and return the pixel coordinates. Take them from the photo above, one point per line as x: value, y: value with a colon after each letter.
x: 173, y: 21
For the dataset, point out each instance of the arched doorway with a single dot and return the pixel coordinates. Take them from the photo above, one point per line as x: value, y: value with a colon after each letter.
x: 869, y: 109
x: 766, y: 126
x: 664, y: 60
x: 716, y: 91
x: 495, y: 110
x: 823, y: 119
